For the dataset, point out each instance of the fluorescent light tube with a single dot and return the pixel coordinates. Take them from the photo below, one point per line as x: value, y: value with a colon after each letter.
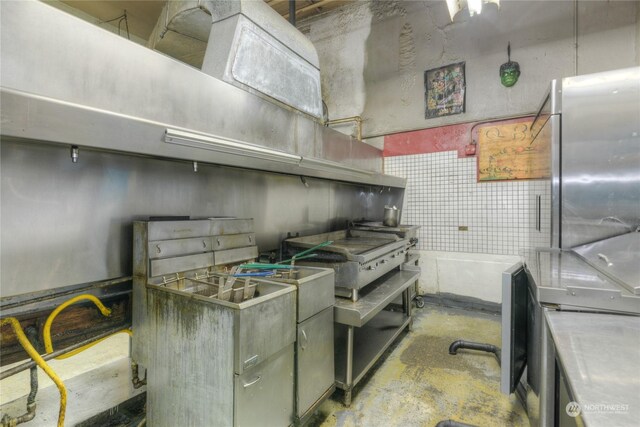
x: 228, y: 146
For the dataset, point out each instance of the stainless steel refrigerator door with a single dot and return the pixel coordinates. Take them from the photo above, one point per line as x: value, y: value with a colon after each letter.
x: 544, y: 223
x: 600, y: 163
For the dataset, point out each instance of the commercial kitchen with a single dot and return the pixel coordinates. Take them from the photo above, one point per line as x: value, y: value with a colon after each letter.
x: 320, y: 213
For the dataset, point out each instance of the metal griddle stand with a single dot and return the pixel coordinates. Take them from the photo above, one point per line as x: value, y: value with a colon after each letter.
x: 364, y: 329
x: 373, y: 268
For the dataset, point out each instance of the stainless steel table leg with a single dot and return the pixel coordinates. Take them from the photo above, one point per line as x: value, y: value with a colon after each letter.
x: 406, y: 300
x: 354, y: 295
x: 349, y: 379
x: 547, y: 376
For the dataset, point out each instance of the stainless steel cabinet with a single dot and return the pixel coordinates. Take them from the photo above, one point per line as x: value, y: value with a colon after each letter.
x: 263, y: 394
x: 262, y: 330
x: 315, y: 344
x: 214, y: 362
x: 314, y: 370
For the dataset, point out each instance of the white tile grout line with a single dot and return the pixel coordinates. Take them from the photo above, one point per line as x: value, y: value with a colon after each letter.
x: 443, y: 194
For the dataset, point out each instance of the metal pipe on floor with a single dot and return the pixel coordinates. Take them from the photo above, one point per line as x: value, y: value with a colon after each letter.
x: 451, y: 423
x: 489, y: 348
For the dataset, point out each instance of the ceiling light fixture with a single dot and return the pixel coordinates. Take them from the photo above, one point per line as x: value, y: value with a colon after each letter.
x: 228, y: 146
x: 475, y: 6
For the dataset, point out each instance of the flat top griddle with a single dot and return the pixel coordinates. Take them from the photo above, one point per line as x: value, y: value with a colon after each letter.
x: 353, y: 245
x: 379, y: 227
x: 359, y: 245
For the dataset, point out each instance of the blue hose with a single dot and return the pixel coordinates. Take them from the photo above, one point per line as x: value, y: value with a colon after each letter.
x: 256, y: 274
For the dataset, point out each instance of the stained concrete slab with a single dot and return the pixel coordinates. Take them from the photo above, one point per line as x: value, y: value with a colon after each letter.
x: 420, y: 384
x: 417, y: 383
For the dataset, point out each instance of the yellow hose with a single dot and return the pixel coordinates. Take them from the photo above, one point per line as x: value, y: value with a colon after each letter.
x: 24, y: 341
x: 47, y: 325
x: 91, y: 344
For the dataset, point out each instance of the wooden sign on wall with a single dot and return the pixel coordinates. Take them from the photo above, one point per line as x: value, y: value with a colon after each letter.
x: 505, y: 152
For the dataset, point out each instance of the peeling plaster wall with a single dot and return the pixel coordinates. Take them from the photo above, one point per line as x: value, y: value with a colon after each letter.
x: 373, y: 55
x: 342, y: 40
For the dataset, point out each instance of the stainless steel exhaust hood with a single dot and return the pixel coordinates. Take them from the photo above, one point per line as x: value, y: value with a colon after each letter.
x: 244, y: 43
x: 99, y: 90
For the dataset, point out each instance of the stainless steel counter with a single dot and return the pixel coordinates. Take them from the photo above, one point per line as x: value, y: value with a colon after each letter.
x: 599, y: 355
x: 562, y: 278
x: 617, y: 257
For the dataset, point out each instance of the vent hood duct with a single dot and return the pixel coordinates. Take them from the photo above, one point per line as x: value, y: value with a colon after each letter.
x: 244, y: 43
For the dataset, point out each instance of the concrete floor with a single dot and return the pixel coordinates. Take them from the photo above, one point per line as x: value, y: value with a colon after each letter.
x: 420, y: 384
x: 417, y: 383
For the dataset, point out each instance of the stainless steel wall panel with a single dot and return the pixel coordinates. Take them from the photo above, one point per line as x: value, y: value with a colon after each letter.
x: 365, y: 156
x: 600, y: 166
x: 335, y: 145
x: 76, y: 219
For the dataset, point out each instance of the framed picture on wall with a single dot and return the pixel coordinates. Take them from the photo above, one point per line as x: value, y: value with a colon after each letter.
x: 444, y: 90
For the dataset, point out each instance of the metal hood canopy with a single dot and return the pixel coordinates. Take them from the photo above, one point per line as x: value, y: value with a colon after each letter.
x: 252, y: 47
x: 67, y: 81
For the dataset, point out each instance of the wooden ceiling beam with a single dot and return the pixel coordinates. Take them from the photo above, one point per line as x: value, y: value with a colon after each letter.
x: 311, y: 7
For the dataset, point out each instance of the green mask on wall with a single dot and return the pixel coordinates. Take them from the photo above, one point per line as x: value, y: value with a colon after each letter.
x: 509, y: 71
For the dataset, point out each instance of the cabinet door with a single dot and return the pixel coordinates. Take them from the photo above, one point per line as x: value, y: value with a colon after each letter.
x: 263, y: 329
x: 315, y: 374
x: 515, y: 312
x: 264, y: 393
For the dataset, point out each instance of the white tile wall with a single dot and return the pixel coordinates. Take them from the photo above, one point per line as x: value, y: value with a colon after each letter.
x: 443, y: 194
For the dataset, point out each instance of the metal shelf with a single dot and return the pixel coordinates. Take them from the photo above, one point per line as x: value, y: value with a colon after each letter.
x: 384, y: 291
x: 369, y: 343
